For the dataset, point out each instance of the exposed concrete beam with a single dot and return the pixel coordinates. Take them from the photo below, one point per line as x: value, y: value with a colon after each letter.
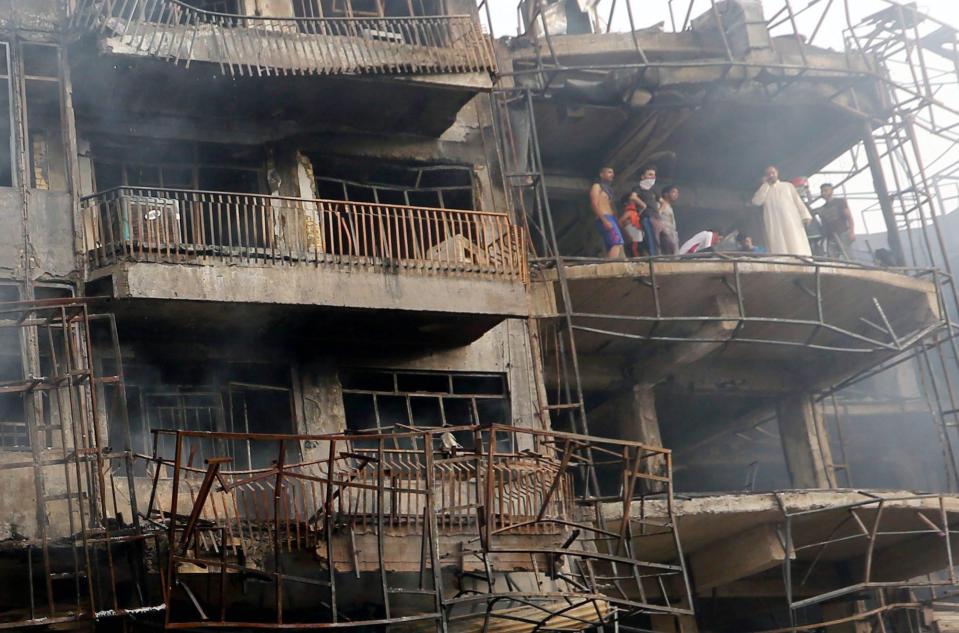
x: 736, y: 557
x: 611, y: 48
x: 718, y: 377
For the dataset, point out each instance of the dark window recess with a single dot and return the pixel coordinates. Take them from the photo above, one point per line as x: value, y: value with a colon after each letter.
x: 41, y: 64
x: 151, y: 163
x: 233, y: 397
x: 393, y: 401
x: 6, y: 126
x: 366, y: 8
x: 409, y: 184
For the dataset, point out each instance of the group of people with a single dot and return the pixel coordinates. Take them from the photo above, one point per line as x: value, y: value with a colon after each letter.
x: 791, y: 228
x: 647, y: 224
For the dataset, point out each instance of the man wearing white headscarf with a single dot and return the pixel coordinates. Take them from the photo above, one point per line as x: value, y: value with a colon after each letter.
x: 784, y: 216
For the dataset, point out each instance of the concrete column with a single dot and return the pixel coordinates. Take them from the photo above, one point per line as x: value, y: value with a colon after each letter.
x: 631, y: 415
x: 805, y: 443
x: 322, y: 406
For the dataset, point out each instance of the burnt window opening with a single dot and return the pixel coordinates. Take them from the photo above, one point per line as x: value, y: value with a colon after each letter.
x: 388, y: 401
x: 156, y: 164
x: 436, y: 186
x: 223, y: 397
x: 45, y: 149
x: 13, y: 419
x: 367, y: 8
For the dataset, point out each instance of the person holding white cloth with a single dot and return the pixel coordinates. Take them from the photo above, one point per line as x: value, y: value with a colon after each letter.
x: 784, y: 216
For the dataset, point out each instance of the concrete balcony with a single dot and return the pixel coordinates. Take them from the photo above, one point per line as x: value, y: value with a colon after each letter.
x: 756, y: 324
x: 172, y: 31
x: 432, y: 267
x: 803, y: 548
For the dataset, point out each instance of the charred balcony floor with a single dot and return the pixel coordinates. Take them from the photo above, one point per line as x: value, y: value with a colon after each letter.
x: 808, y: 323
x: 263, y: 45
x: 809, y: 546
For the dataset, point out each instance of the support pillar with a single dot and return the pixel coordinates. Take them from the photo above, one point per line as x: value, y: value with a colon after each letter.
x: 882, y: 192
x: 805, y: 443
x: 631, y: 415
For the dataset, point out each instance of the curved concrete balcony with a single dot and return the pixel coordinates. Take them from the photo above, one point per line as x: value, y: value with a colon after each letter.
x: 434, y: 266
x: 172, y: 31
x: 752, y: 323
x: 805, y: 549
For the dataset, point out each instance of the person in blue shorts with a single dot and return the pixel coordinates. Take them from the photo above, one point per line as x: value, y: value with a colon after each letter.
x: 601, y: 196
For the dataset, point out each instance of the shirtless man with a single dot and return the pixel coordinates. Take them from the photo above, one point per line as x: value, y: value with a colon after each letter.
x: 601, y: 198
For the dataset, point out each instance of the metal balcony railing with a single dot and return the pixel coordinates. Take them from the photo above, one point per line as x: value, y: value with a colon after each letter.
x: 205, y: 227
x: 512, y: 500
x: 260, y: 45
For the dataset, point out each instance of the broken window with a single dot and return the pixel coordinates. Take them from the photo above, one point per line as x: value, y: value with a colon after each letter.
x: 155, y: 164
x: 419, y: 185
x: 225, y: 397
x: 45, y: 149
x: 393, y: 401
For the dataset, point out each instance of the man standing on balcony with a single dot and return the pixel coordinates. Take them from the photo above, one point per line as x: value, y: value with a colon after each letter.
x: 670, y: 195
x: 601, y: 198
x: 837, y: 223
x: 784, y: 215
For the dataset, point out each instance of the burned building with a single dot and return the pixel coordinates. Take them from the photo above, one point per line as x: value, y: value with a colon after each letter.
x: 304, y: 323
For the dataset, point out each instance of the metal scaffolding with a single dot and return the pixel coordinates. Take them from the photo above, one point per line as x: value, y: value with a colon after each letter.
x: 82, y: 557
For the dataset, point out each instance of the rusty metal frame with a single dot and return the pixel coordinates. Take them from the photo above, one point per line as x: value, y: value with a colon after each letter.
x: 480, y: 515
x: 862, y: 521
x: 71, y: 464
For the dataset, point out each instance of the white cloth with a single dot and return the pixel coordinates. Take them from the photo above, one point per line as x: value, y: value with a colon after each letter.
x: 783, y: 215
x: 634, y: 233
x: 703, y: 239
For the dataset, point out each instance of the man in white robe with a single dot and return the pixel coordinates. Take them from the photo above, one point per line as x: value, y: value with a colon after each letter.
x: 784, y: 216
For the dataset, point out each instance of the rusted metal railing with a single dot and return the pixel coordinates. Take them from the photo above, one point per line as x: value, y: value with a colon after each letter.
x: 180, y: 226
x: 417, y: 512
x: 260, y: 45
